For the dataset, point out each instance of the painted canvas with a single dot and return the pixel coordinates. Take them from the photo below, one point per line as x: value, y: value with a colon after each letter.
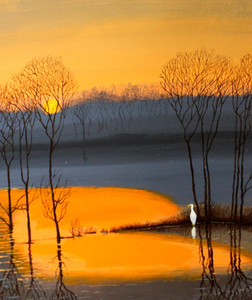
x: 126, y: 149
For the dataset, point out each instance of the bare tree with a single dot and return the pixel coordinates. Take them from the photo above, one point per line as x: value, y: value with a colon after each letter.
x: 242, y: 107
x: 76, y: 228
x: 8, y: 127
x: 179, y: 80
x: 81, y: 112
x: 50, y: 87
x: 56, y: 210
x: 195, y: 85
x: 26, y: 121
x: 209, y: 109
x: 113, y: 115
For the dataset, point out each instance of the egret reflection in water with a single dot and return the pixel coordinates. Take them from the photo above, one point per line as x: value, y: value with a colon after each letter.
x: 193, y: 232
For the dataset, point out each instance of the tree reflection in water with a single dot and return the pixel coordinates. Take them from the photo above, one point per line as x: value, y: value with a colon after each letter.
x: 35, y: 290
x: 233, y: 284
x: 237, y: 285
x: 11, y: 283
x: 209, y: 287
x: 61, y: 291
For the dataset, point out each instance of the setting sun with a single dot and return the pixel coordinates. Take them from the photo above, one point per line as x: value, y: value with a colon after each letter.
x: 52, y: 106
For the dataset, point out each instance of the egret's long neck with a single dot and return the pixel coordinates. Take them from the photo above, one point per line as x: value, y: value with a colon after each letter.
x: 192, y: 208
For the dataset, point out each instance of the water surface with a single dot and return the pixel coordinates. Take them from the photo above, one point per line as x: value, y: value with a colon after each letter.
x: 169, y: 264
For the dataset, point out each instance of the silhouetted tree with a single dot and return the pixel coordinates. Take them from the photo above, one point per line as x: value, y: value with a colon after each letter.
x: 195, y: 85
x: 8, y: 127
x: 56, y: 210
x: 26, y: 121
x: 209, y: 109
x: 114, y: 115
x: 242, y: 107
x: 81, y: 113
x: 47, y: 81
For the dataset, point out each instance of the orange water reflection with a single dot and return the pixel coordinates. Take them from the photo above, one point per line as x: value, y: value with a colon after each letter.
x: 117, y: 257
x: 128, y: 257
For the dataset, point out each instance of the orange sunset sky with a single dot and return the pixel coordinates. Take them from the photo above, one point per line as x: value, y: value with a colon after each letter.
x: 108, y: 42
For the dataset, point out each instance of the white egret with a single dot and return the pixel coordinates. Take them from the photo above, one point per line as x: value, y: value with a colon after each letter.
x: 193, y: 216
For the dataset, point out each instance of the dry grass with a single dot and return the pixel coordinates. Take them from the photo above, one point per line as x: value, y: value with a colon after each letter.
x: 219, y: 214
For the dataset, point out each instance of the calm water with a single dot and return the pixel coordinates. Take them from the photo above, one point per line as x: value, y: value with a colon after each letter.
x: 211, y: 262
x: 171, y: 264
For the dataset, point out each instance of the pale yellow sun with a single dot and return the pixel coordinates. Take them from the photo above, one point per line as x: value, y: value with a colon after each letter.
x: 52, y: 106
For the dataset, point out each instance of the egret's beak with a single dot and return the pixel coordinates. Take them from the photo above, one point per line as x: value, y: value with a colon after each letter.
x: 188, y: 205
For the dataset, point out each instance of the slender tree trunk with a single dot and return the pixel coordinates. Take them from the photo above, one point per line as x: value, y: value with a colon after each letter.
x: 235, y: 169
x: 25, y: 178
x: 238, y: 176
x: 192, y: 176
x: 28, y: 213
x: 242, y: 177
x: 52, y: 192
x: 208, y: 187
x: 9, y: 200
x: 204, y: 173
